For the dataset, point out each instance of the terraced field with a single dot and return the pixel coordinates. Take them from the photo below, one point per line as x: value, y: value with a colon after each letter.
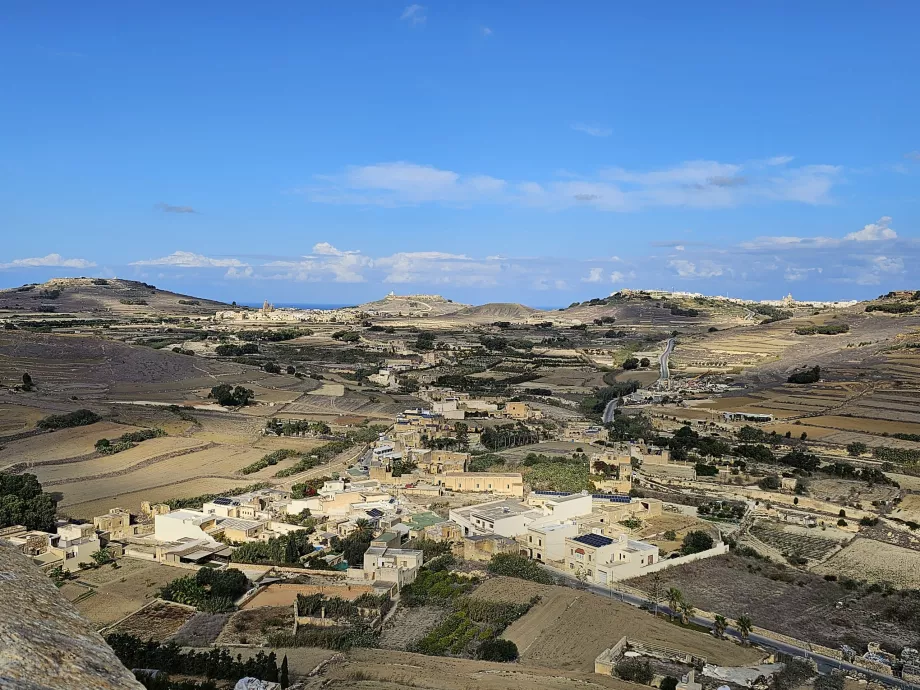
x: 812, y: 547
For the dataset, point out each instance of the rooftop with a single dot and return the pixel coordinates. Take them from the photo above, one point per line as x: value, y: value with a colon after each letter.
x: 593, y: 540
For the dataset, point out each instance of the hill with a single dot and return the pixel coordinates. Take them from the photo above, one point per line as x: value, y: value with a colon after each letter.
x: 497, y: 311
x: 642, y: 309
x: 103, y: 296
x: 411, y: 305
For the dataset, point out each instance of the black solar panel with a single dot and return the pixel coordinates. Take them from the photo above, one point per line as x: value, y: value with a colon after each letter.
x: 594, y: 540
x: 375, y: 512
x: 613, y: 498
x: 223, y: 501
x: 553, y: 493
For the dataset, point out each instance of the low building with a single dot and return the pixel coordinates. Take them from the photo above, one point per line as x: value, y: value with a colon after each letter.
x: 68, y: 547
x: 482, y: 547
x: 397, y: 566
x: 602, y: 559
x: 192, y: 552
x: 506, y: 518
x: 521, y: 411
x: 117, y: 523
x: 500, y: 483
x: 546, y: 541
x: 439, y: 461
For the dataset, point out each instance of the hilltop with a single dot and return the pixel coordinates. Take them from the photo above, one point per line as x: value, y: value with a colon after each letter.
x: 411, y: 305
x: 103, y: 296
x: 498, y: 311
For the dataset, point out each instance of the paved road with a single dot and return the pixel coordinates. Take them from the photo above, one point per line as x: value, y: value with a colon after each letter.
x: 663, y: 360
x: 338, y: 464
x: 610, y: 410
x: 825, y: 663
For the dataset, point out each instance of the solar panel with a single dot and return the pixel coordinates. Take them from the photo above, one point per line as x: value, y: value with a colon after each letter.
x: 375, y: 512
x: 594, y: 540
x: 222, y: 501
x: 553, y: 493
x: 613, y: 498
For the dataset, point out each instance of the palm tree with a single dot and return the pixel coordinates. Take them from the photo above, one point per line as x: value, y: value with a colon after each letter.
x: 744, y: 625
x: 674, y: 598
x: 686, y: 611
x: 718, y: 626
x: 363, y: 529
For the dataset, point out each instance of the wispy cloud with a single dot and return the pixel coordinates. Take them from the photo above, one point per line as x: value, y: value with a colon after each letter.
x: 592, y: 130
x: 913, y: 156
x: 691, y: 184
x: 702, y: 269
x: 415, y: 15
x: 48, y: 261
x: 485, y: 31
x: 182, y: 259
x: 168, y: 208
x: 871, y: 232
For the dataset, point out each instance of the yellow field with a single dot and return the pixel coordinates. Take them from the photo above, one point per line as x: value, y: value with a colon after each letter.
x: 56, y: 445
x: 131, y: 500
x: 16, y: 418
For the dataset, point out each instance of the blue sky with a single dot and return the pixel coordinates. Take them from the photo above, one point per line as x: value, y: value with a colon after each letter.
x: 528, y: 151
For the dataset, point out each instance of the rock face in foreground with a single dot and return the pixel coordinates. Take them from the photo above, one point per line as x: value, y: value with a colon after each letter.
x: 44, y: 643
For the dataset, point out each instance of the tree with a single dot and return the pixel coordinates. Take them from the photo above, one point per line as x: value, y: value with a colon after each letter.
x: 674, y: 598
x: 804, y: 435
x: 102, y: 556
x: 745, y: 626
x: 696, y: 541
x: 26, y: 382
x: 291, y: 370
x: 668, y: 683
x: 686, y: 612
x: 291, y: 552
x: 719, y: 625
x: 644, y: 362
x: 635, y: 669
x: 670, y: 535
x: 857, y: 448
x: 283, y: 676
x: 581, y: 575
x: 631, y: 363
x: 497, y: 650
x: 363, y: 529
x: 271, y: 368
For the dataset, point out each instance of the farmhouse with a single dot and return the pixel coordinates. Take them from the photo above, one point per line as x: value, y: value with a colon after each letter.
x: 384, y: 564
x: 70, y: 546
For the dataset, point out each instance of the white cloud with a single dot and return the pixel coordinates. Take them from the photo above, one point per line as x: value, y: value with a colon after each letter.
x: 485, y: 31
x: 688, y: 269
x: 234, y: 273
x: 595, y: 275
x: 795, y: 273
x: 873, y: 232
x: 189, y: 260
x: 779, y: 160
x: 693, y: 184
x: 592, y: 130
x: 415, y: 15
x: 49, y: 260
x: 327, y: 261
x: 913, y: 156
x: 439, y: 268
x: 617, y: 277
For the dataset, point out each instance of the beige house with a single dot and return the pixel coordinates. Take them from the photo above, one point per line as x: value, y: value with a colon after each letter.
x: 600, y: 559
x: 117, y: 522
x: 521, y: 411
x: 499, y: 483
x: 439, y: 461
x: 397, y: 566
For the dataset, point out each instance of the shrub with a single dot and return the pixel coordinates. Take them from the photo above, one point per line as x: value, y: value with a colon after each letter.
x: 513, y: 565
x: 228, y: 396
x: 812, y: 375
x: 635, y: 669
x: 696, y: 541
x: 71, y: 419
x: 497, y: 650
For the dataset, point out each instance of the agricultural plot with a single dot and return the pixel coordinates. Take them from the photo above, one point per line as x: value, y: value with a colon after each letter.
x: 218, y: 462
x: 567, y: 629
x: 131, y: 500
x: 158, y: 622
x: 253, y: 626
x: 201, y: 630
x: 791, y: 602
x: 123, y: 591
x: 410, y: 624
x: 876, y: 561
x: 58, y: 445
x: 18, y: 418
x: 908, y: 509
x: 812, y: 547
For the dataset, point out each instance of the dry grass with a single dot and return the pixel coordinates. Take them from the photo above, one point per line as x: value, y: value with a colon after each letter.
x: 867, y: 559
x: 569, y: 628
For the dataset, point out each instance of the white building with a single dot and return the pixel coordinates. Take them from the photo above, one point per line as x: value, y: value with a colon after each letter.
x: 507, y: 518
x: 399, y: 566
x: 604, y: 559
x: 185, y: 524
x: 546, y: 541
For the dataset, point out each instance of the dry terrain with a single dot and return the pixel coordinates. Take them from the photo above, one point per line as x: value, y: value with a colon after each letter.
x: 788, y: 601
x: 876, y: 562
x: 121, y: 591
x: 159, y: 621
x: 568, y: 628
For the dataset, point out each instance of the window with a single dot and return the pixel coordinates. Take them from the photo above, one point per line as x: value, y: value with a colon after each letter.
x: 530, y: 539
x: 539, y: 542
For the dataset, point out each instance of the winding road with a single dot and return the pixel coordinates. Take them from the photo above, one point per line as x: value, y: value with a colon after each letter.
x: 611, y: 408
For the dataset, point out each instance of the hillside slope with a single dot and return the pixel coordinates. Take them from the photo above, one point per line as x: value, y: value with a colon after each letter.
x: 99, y: 296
